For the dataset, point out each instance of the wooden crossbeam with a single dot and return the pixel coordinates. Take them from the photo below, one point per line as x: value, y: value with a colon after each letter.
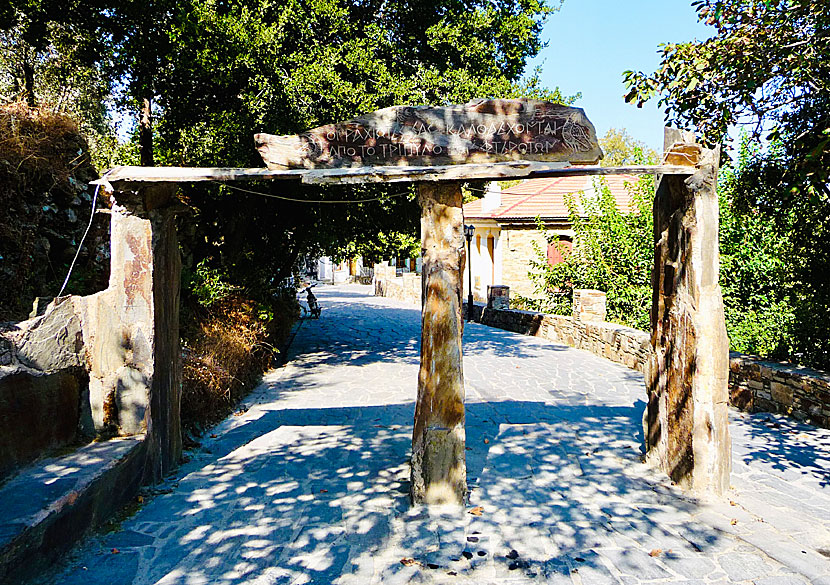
x: 462, y: 172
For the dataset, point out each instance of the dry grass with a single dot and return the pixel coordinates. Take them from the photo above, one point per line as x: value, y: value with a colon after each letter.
x: 44, y: 164
x: 35, y: 136
x: 226, y: 349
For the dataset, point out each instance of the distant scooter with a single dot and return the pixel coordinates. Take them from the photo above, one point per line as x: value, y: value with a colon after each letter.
x: 313, y: 309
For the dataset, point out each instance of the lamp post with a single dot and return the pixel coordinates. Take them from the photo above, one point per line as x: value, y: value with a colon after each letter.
x: 469, y: 230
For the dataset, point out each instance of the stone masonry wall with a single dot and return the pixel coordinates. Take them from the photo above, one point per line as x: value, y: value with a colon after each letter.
x: 405, y: 288
x: 754, y: 385
x: 759, y: 386
x: 517, y: 247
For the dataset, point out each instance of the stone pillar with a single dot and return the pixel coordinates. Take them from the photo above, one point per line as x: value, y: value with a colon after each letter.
x: 164, y: 422
x: 498, y: 296
x: 685, y: 424
x: 439, y: 472
x: 132, y: 328
x: 589, y: 305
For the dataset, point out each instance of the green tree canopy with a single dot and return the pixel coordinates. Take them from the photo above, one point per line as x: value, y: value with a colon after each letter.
x: 767, y: 66
x: 213, y: 73
x: 765, y: 59
x: 621, y: 149
x: 252, y: 66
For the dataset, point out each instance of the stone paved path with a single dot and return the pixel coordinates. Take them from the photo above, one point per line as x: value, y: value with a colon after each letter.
x: 309, y: 484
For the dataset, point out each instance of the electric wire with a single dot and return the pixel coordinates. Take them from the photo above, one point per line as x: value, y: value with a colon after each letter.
x: 83, y: 238
x: 234, y: 187
x: 298, y: 200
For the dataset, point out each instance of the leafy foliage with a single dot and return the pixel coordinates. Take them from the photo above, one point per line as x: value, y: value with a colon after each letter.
x: 767, y: 65
x: 208, y: 285
x: 218, y: 72
x: 622, y: 149
x: 754, y: 269
x: 612, y: 252
x: 766, y: 58
x: 791, y: 271
x: 253, y: 66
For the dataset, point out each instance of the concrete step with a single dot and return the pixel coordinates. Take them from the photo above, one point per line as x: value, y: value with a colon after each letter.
x: 46, y: 507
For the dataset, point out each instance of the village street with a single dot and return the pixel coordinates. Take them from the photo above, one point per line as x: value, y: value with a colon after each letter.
x: 308, y: 482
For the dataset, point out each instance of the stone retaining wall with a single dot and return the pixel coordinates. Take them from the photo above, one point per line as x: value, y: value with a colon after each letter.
x: 617, y: 343
x: 405, y: 288
x: 754, y: 385
x: 760, y: 386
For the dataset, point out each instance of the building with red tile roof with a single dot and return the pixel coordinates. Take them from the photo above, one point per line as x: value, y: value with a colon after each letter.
x: 506, y: 231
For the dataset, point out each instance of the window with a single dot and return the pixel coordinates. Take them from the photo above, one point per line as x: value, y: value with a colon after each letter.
x: 557, y: 251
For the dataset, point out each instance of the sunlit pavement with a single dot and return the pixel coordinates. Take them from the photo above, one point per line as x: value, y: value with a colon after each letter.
x: 309, y: 484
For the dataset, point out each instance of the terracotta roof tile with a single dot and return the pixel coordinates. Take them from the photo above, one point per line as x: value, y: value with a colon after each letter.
x: 545, y: 197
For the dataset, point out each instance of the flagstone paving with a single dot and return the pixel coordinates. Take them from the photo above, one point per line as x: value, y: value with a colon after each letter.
x: 308, y: 482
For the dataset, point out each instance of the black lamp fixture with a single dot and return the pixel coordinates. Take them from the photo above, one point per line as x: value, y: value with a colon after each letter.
x: 469, y: 230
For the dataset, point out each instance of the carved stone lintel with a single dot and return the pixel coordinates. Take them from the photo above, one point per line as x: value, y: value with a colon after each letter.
x: 480, y: 131
x: 438, y: 441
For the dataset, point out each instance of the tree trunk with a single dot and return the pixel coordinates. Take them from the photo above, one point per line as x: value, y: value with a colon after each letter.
x: 145, y: 133
x: 439, y: 472
x: 29, y: 83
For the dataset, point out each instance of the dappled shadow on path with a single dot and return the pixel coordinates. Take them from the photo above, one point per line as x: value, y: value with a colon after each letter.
x: 342, y: 335
x: 287, y: 493
x: 322, y: 493
x: 788, y: 448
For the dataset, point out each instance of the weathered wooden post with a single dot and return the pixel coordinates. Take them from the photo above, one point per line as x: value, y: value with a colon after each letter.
x: 390, y: 144
x: 439, y: 470
x: 686, y: 425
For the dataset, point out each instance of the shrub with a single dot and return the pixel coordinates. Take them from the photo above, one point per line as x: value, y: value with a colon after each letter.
x: 612, y: 252
x: 228, y: 341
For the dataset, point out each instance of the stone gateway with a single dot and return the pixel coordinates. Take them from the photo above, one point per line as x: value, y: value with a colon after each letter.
x: 686, y: 425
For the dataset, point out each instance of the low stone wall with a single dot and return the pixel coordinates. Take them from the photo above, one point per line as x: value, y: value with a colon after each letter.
x: 405, y: 288
x: 617, y: 343
x: 760, y: 386
x: 754, y: 385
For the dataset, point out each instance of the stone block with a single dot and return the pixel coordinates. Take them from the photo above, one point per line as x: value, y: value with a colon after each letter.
x: 741, y: 397
x: 60, y: 500
x: 53, y: 341
x: 764, y: 405
x: 782, y: 394
x: 498, y: 297
x: 38, y: 411
x: 589, y: 305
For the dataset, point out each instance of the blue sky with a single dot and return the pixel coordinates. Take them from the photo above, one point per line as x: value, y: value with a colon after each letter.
x: 590, y: 44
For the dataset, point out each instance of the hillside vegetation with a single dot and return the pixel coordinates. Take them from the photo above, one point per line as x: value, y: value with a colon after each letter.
x: 45, y: 206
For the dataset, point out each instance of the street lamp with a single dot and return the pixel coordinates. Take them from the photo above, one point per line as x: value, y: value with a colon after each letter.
x: 469, y: 230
